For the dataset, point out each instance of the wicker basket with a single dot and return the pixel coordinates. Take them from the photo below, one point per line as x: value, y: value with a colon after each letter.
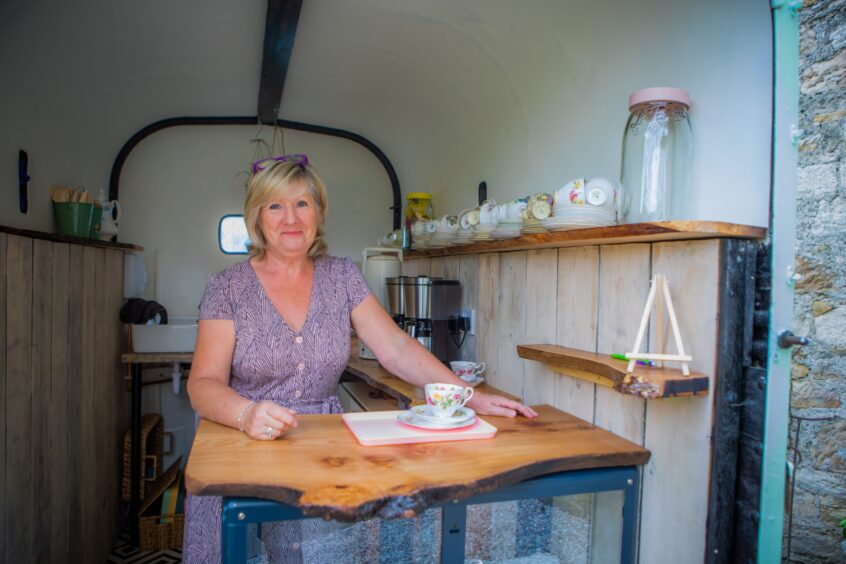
x: 152, y: 451
x: 153, y: 534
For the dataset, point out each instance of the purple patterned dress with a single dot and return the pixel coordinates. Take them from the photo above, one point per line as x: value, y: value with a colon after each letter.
x: 272, y: 362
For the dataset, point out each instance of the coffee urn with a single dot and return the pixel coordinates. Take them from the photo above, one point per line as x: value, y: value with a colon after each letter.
x: 429, y: 310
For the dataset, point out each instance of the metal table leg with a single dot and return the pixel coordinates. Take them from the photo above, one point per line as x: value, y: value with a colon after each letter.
x: 135, y: 453
x: 239, y: 512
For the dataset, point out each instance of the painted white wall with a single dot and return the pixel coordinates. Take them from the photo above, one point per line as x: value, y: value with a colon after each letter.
x: 179, y: 182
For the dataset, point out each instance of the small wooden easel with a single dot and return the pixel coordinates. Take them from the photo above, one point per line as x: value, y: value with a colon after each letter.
x: 659, y: 281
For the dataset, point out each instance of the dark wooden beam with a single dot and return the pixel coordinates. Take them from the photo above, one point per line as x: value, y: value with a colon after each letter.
x: 279, y: 31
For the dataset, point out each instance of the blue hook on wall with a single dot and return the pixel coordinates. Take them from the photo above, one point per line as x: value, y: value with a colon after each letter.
x: 23, y: 180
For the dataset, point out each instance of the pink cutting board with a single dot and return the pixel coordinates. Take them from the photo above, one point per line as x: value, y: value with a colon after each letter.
x: 376, y: 428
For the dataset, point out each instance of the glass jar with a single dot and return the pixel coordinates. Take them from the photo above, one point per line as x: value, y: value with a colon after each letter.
x: 657, y: 149
x: 418, y: 207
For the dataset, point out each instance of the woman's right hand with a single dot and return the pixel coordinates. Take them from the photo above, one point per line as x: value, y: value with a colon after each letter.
x: 266, y: 421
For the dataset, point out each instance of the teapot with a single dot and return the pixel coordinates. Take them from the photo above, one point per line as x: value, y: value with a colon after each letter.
x: 111, y: 217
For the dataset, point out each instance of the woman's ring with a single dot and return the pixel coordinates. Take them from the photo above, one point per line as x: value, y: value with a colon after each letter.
x: 269, y: 431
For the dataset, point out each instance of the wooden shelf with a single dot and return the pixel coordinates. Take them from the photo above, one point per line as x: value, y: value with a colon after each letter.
x: 630, y: 233
x: 645, y: 382
x: 56, y: 238
x: 372, y: 372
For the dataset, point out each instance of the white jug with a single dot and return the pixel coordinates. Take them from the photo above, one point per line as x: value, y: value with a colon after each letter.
x: 377, y: 264
x: 108, y: 224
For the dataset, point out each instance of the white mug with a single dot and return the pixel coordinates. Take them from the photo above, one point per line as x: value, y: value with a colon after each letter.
x: 571, y: 194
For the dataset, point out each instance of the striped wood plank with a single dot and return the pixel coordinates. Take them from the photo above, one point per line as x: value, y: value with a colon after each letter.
x: 577, y: 303
x: 678, y: 430
x: 89, y: 408
x: 624, y: 272
x: 19, y: 471
x: 468, y: 274
x: 103, y: 469
x: 41, y: 496
x: 76, y: 472
x: 487, y: 315
x: 541, y: 287
x: 436, y: 267
x: 116, y: 388
x: 512, y: 321
x: 58, y: 414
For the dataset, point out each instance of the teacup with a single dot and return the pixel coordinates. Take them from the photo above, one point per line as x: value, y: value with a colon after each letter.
x: 488, y: 212
x: 601, y: 192
x: 445, y: 399
x: 467, y: 370
x: 571, y: 194
x: 447, y: 224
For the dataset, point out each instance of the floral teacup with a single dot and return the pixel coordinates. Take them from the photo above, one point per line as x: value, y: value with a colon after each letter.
x: 467, y: 370
x: 445, y: 399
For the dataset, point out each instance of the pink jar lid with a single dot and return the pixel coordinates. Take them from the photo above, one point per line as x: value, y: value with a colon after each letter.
x: 659, y: 94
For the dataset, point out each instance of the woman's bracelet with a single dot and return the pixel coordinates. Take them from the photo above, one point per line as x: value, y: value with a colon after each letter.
x: 241, y: 416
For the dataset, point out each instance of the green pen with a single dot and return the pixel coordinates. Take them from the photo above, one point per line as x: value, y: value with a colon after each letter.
x: 641, y: 362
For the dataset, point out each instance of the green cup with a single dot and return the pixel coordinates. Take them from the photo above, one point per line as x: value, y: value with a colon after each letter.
x: 74, y: 218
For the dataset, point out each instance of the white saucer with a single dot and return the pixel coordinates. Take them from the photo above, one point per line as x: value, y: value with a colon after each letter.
x: 425, y: 412
x: 474, y: 382
x: 409, y: 418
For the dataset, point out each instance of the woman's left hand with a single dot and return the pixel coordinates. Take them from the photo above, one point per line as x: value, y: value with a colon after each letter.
x: 489, y: 404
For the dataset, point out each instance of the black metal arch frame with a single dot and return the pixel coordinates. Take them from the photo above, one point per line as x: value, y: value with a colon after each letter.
x: 123, y: 154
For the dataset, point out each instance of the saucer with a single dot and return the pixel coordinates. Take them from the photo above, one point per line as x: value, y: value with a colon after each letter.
x: 461, y: 415
x: 477, y: 380
x: 409, y: 418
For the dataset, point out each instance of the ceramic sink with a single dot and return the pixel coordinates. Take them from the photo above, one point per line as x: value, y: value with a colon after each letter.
x: 177, y: 336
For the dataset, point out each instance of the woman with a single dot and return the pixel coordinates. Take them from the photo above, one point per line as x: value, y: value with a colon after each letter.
x: 274, y: 334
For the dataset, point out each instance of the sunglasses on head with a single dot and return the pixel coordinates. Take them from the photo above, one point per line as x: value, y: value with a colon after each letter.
x: 295, y: 158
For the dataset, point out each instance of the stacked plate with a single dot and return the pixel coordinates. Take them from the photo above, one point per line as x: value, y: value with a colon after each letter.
x: 442, y: 239
x: 421, y: 416
x: 482, y: 232
x: 462, y: 237
x: 533, y: 225
x: 579, y: 217
x: 508, y: 229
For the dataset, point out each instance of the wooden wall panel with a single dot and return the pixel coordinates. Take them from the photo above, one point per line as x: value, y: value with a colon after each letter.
x: 468, y: 274
x: 40, y: 495
x: 76, y: 473
x: 19, y: 470
x: 577, y: 303
x: 512, y: 322
x: 540, y: 296
x: 624, y: 272
x: 58, y: 414
x: 681, y: 450
x: 100, y: 470
x: 436, y: 267
x: 89, y: 405
x: 487, y: 316
x: 115, y: 392
x: 452, y: 268
x: 4, y: 268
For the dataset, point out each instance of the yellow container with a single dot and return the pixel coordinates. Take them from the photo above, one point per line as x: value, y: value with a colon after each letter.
x: 418, y: 207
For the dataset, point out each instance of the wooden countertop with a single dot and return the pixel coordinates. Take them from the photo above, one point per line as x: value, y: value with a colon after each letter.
x: 371, y: 372
x: 320, y: 467
x: 156, y: 358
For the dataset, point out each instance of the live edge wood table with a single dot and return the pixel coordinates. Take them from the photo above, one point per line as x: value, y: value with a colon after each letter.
x: 320, y: 470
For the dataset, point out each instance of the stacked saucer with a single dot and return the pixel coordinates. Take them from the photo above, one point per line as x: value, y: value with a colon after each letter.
x: 533, y: 225
x: 579, y: 217
x: 508, y: 229
x: 423, y: 417
x: 462, y: 237
x: 482, y: 232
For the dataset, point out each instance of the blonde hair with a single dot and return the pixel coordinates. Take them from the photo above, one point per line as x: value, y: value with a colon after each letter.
x: 277, y: 180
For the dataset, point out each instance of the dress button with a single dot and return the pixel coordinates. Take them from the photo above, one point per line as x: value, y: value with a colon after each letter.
x: 300, y: 366
x: 299, y: 340
x: 298, y: 393
x: 295, y: 546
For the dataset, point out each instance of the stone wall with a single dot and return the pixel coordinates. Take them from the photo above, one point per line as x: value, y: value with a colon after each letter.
x: 819, y: 370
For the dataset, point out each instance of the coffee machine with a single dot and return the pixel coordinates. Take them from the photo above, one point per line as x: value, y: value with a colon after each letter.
x: 428, y: 309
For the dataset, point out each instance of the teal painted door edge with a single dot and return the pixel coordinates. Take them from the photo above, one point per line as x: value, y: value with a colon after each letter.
x: 783, y: 238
